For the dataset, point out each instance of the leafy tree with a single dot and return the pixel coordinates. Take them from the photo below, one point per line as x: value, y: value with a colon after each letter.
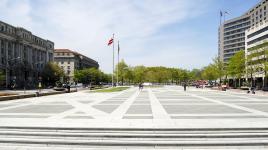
x: 129, y: 75
x: 139, y: 74
x: 195, y: 74
x: 91, y: 76
x: 218, y: 64
x: 209, y: 73
x: 122, y: 71
x: 236, y: 66
x: 52, y: 73
x: 2, y: 77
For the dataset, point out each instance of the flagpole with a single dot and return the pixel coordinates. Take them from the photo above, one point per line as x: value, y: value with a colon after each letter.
x: 113, y: 64
x: 117, y: 63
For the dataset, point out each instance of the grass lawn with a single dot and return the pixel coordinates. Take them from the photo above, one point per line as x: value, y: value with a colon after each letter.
x: 114, y: 89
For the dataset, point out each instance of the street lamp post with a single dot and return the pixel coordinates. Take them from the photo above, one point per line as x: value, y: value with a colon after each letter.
x: 39, y: 78
x: 7, y: 65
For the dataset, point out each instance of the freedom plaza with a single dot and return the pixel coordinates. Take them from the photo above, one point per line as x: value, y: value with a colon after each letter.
x: 152, y: 118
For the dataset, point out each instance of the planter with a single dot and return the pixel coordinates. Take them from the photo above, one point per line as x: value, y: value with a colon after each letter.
x: 59, y: 89
x: 244, y: 88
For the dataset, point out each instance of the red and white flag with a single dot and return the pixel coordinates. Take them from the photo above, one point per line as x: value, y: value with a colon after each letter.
x: 110, y: 41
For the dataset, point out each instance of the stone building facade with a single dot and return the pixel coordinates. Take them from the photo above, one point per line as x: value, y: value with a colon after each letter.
x: 22, y: 56
x: 70, y: 61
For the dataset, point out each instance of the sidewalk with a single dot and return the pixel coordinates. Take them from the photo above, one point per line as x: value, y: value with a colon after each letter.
x: 257, y: 92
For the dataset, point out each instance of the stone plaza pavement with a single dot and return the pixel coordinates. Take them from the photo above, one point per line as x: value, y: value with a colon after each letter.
x: 165, y: 107
x: 153, y: 117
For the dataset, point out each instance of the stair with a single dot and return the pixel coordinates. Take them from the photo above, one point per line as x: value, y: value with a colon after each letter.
x: 192, y: 137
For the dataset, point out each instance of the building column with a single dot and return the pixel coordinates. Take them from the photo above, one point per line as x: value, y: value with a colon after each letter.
x: 1, y: 53
x: 13, y: 49
x: 7, y: 63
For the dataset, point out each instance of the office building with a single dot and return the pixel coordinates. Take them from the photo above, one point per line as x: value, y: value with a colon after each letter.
x: 22, y: 56
x: 70, y: 61
x: 232, y: 32
x: 257, y: 53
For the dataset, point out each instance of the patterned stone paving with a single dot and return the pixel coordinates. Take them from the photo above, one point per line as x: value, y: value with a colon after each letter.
x: 149, y: 104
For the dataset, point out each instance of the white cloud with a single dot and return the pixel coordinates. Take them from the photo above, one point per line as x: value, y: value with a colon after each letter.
x: 86, y: 26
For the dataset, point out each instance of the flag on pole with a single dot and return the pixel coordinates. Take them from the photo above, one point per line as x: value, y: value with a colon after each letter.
x: 110, y: 41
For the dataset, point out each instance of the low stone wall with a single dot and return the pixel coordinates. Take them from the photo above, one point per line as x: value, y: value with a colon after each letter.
x: 14, y: 97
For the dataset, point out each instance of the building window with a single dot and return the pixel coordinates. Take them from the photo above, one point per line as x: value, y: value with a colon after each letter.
x: 264, y: 8
x: 68, y: 62
x: 62, y: 62
x: 68, y: 67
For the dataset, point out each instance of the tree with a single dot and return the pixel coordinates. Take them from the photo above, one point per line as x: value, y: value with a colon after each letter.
x: 139, y: 74
x: 219, y: 68
x: 91, y: 76
x: 195, y: 74
x: 236, y: 66
x: 52, y: 73
x: 2, y: 77
x: 209, y: 73
x: 122, y: 71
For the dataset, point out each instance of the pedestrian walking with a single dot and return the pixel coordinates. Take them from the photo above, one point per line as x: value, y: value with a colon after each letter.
x: 184, y: 86
x: 140, y: 86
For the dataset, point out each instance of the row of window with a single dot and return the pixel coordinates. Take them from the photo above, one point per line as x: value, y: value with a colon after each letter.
x: 62, y: 62
x: 237, y: 26
x: 11, y: 30
x: 7, y: 29
x: 234, y: 45
x: 258, y: 39
x: 62, y: 54
x: 36, y: 54
x: 234, y: 36
x: 257, y: 32
x: 235, y: 31
x: 234, y: 41
x: 236, y: 22
x: 68, y: 71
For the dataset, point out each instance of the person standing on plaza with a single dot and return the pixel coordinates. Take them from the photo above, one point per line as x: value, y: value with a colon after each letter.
x: 184, y: 86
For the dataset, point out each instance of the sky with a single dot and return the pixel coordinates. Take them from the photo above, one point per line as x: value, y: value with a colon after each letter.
x: 171, y: 33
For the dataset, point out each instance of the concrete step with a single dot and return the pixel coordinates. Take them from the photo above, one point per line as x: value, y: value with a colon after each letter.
x: 133, y: 136
x: 126, y: 142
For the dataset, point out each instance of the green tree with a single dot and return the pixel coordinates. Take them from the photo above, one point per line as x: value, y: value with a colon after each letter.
x: 236, y: 66
x: 52, y: 73
x: 139, y: 74
x: 209, y: 73
x: 218, y: 64
x: 90, y: 76
x: 123, y: 69
x: 195, y: 74
x: 2, y: 78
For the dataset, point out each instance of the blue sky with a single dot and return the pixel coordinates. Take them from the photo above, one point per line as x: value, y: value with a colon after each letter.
x: 174, y: 33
